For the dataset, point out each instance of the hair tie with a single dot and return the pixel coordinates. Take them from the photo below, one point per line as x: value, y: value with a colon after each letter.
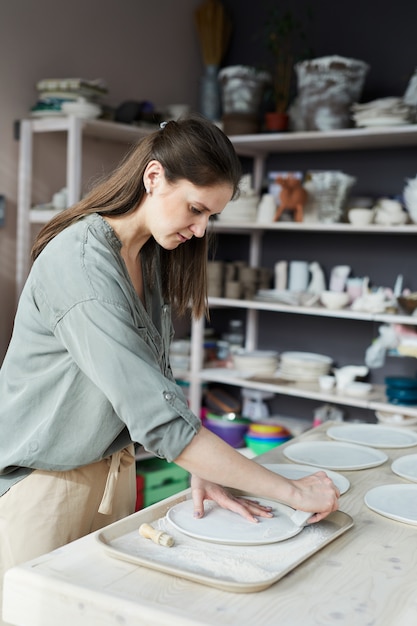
x: 162, y: 125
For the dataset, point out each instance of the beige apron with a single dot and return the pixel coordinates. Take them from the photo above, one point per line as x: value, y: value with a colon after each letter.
x: 46, y: 510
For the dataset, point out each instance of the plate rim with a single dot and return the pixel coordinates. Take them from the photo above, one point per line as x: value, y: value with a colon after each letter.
x: 319, y: 357
x: 383, y: 457
x: 312, y: 469
x: 389, y: 487
x: 397, y: 461
x: 401, y: 431
x: 236, y: 542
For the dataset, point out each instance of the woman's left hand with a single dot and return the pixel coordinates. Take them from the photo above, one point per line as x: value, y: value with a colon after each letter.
x: 204, y: 490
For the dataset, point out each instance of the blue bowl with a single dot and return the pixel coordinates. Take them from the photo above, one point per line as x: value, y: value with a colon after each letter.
x: 401, y: 382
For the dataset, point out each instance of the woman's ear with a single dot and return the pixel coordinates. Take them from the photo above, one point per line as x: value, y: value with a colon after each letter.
x: 154, y: 172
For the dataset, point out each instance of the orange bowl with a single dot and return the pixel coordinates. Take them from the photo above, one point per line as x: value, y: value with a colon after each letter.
x: 270, y: 429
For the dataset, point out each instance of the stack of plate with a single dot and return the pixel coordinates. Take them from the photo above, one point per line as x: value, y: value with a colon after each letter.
x: 382, y: 112
x: 304, y: 366
x: 244, y: 209
x: 256, y: 362
x: 82, y: 108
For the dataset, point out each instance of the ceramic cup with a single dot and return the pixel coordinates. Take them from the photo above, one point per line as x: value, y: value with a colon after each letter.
x: 360, y: 217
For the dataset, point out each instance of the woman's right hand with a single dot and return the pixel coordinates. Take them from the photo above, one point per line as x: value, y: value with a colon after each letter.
x: 316, y: 493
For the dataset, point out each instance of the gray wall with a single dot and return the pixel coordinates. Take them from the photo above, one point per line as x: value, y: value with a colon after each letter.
x: 144, y: 50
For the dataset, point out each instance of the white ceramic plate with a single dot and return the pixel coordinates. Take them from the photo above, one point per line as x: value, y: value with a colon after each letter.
x: 224, y: 372
x: 383, y: 121
x: 335, y: 455
x: 406, y: 467
x: 294, y: 472
x: 395, y: 419
x: 307, y: 376
x: 305, y: 358
x: 397, y: 502
x: 221, y: 526
x: 46, y: 113
x: 374, y: 435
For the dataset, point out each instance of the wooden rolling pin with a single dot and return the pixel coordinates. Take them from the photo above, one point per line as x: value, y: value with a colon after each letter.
x: 157, y: 536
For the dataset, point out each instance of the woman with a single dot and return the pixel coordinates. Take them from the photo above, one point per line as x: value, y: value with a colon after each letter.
x: 87, y: 370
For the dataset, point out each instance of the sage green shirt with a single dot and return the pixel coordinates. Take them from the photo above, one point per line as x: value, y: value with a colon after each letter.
x: 87, y: 370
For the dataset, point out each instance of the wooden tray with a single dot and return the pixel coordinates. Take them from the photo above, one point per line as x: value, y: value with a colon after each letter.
x: 239, y: 569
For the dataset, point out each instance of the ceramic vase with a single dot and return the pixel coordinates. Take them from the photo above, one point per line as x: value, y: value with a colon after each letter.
x: 326, y: 89
x: 210, y: 105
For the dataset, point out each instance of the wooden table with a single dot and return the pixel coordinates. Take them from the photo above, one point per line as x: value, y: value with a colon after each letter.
x: 368, y: 576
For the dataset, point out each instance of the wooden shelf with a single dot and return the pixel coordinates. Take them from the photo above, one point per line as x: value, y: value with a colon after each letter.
x: 375, y: 401
x: 320, y: 311
x: 246, y: 228
x: 316, y: 141
x: 99, y: 129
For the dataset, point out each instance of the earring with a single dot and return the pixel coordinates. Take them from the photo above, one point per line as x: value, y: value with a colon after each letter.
x: 147, y: 189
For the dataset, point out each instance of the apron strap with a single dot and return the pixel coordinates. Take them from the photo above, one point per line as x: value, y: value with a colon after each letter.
x: 122, y: 458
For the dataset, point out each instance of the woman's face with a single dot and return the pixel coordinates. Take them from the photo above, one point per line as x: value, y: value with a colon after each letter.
x: 176, y: 212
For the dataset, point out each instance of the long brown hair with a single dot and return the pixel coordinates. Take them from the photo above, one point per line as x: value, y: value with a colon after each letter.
x: 193, y: 149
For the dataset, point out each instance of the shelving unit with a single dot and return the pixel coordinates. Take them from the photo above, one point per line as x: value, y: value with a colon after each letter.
x: 75, y: 129
x: 257, y: 147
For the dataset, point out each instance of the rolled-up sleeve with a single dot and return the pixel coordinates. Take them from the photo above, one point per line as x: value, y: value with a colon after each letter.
x: 124, y: 363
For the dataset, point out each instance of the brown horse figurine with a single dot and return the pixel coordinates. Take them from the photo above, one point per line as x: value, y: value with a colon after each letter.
x: 292, y: 197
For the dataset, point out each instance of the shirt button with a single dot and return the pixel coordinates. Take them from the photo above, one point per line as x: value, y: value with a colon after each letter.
x: 168, y: 395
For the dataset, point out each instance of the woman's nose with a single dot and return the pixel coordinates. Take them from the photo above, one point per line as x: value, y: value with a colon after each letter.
x: 199, y: 228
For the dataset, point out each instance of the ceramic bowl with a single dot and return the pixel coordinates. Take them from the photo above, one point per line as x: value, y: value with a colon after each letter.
x: 268, y: 437
x: 257, y: 362
x: 260, y: 446
x: 401, y: 382
x: 334, y: 299
x: 395, y: 419
x: 268, y: 429
x: 360, y: 217
x: 231, y: 431
x: 357, y: 389
x: 279, y: 434
x: 408, y: 303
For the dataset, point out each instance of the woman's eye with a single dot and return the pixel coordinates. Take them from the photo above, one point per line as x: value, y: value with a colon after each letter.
x: 195, y: 210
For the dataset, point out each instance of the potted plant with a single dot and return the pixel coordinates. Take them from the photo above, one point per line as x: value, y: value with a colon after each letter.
x: 285, y: 36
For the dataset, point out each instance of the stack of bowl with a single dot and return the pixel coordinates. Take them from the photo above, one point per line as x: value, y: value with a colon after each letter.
x: 256, y: 362
x: 262, y: 437
x: 229, y: 427
x: 401, y: 390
